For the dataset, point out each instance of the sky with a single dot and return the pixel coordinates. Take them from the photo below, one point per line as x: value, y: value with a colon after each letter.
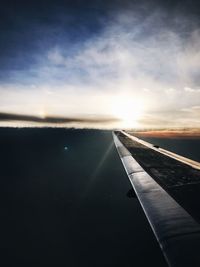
x: 100, y: 64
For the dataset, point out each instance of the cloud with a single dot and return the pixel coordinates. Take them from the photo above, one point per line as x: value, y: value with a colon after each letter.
x: 148, y: 58
x: 20, y: 120
x: 56, y: 57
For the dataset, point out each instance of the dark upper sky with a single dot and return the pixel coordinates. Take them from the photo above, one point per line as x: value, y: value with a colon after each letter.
x: 29, y: 28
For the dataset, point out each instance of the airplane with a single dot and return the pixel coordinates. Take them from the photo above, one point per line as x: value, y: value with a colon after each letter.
x: 167, y: 186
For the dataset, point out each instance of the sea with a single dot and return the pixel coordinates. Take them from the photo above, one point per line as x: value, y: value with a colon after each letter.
x: 65, y: 200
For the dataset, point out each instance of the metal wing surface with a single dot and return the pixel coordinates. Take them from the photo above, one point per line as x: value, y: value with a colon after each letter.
x: 168, y: 188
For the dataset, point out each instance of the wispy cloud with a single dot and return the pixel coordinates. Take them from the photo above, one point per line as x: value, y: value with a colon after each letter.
x: 153, y: 59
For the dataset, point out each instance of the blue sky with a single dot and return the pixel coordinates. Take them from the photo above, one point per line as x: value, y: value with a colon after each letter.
x: 87, y: 58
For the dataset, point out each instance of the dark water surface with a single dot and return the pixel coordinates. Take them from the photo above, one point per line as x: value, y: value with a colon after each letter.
x: 64, y: 202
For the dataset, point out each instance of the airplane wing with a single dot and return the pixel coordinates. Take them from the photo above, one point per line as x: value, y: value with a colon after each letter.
x: 168, y: 189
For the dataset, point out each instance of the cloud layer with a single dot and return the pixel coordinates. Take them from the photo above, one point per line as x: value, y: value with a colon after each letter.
x: 151, y: 57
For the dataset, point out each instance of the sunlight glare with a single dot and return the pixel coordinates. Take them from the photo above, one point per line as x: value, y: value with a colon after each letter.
x: 128, y: 110
x: 42, y: 114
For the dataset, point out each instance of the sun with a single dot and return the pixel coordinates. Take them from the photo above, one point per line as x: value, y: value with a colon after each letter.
x: 128, y: 110
x: 42, y: 114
